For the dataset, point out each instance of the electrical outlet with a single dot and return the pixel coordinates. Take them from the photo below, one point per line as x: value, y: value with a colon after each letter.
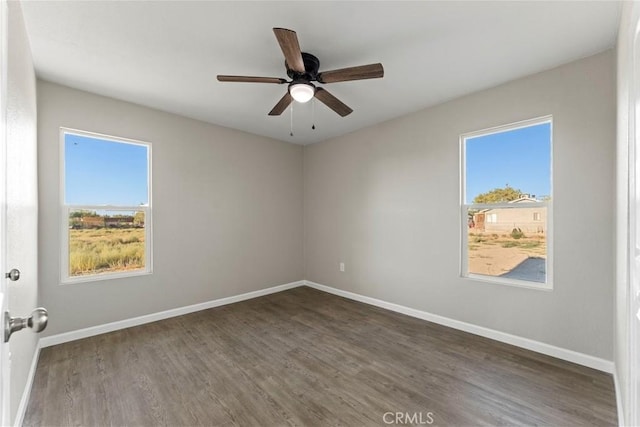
x: 342, y: 267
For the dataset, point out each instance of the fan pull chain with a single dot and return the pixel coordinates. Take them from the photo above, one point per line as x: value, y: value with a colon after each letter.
x: 313, y: 113
x: 291, y: 126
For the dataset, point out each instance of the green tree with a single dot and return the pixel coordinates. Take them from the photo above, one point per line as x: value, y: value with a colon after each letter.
x: 138, y: 219
x: 498, y: 195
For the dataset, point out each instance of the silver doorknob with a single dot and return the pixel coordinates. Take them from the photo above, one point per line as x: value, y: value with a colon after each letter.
x: 13, y: 275
x: 37, y: 322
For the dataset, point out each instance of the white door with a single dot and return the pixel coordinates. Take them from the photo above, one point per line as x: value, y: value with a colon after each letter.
x: 633, y: 399
x: 4, y: 349
x: 18, y: 208
x: 634, y: 240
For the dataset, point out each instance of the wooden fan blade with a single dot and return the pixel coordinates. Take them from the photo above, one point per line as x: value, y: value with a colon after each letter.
x: 332, y: 102
x: 371, y: 71
x: 288, y: 41
x: 281, y: 105
x: 250, y: 79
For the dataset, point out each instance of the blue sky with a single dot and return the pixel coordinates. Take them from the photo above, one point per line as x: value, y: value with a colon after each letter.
x: 518, y: 157
x: 99, y: 172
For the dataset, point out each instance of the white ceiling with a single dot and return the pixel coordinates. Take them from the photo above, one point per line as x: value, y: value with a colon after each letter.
x: 166, y: 54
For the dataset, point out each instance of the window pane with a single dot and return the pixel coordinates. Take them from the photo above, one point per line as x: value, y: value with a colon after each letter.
x: 106, y: 242
x: 508, y: 242
x: 105, y: 172
x: 503, y: 166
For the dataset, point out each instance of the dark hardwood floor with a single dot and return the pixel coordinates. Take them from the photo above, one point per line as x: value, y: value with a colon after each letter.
x: 304, y: 357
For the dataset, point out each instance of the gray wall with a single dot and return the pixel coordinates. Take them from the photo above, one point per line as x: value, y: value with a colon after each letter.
x: 385, y: 200
x: 227, y: 211
x: 21, y: 192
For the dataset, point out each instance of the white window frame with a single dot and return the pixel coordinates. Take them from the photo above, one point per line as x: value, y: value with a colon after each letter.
x: 465, y: 207
x: 65, y: 209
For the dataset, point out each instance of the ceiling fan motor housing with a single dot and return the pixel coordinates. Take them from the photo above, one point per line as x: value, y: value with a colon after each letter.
x: 311, y: 66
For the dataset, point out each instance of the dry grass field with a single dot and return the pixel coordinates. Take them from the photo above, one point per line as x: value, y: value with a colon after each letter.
x: 105, y: 250
x: 497, y: 254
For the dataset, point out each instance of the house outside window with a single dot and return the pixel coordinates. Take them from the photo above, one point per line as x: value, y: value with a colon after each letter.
x: 105, y: 207
x: 506, y: 204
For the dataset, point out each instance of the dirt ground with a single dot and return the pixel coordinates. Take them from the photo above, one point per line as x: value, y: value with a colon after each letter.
x: 494, y: 255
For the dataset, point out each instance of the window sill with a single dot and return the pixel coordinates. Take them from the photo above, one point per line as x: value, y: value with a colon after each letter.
x: 510, y: 282
x: 104, y: 276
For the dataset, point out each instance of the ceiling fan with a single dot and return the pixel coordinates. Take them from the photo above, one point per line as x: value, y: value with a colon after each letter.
x: 302, y: 68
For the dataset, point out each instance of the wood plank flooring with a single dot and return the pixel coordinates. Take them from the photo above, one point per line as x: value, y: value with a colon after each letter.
x: 305, y: 357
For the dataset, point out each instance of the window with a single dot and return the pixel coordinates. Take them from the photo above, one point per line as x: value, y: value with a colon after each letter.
x: 506, y: 204
x: 106, y: 207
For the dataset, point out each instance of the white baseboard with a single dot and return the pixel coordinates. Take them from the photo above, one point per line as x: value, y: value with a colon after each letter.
x: 24, y: 401
x: 153, y: 317
x: 539, y: 347
x: 550, y: 350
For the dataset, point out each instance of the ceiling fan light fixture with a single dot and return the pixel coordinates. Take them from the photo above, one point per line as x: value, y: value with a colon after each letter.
x: 302, y: 91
